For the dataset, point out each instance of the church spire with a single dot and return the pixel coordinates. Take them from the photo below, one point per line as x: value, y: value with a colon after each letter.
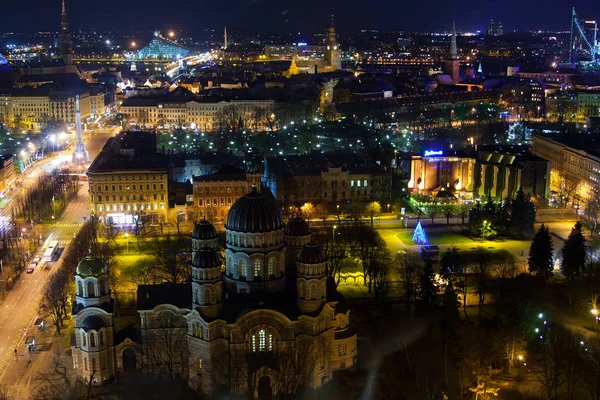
x: 453, y: 49
x: 66, y: 51
x: 225, y: 38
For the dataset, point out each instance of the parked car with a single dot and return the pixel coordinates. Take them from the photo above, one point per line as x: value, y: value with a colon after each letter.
x: 30, y: 269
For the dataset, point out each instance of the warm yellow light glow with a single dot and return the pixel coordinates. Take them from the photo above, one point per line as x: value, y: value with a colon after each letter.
x: 171, y: 34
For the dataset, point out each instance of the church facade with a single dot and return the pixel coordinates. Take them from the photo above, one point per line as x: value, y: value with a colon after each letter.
x: 260, y: 318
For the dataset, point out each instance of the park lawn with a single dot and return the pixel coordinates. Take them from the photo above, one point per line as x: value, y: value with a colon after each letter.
x: 435, y: 237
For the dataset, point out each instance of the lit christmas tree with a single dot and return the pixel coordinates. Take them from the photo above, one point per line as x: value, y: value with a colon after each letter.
x: 419, y: 236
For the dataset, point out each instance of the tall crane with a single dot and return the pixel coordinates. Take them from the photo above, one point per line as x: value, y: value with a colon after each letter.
x: 588, y: 40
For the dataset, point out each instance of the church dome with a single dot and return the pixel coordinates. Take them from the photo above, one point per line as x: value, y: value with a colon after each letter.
x: 312, y: 253
x: 91, y: 266
x: 255, y: 212
x: 93, y: 322
x: 206, y: 257
x: 204, y: 230
x: 297, y: 226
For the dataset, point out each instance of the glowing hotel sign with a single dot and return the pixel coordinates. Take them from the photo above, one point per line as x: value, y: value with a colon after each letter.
x: 429, y: 153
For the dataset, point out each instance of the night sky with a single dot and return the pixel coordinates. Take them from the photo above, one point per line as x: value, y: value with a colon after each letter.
x: 286, y: 16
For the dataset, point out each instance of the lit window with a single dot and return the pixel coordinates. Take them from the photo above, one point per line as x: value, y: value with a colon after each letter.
x: 271, y: 266
x: 262, y: 340
x: 257, y: 268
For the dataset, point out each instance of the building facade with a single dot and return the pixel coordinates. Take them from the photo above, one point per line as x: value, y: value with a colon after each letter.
x: 488, y: 173
x: 128, y: 180
x: 575, y: 173
x: 215, y: 193
x: 7, y: 174
x: 331, y: 179
x: 205, y: 116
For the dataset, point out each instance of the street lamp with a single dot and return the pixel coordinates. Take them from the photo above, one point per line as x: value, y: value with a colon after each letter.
x: 595, y: 314
x: 388, y: 207
x: 334, y: 228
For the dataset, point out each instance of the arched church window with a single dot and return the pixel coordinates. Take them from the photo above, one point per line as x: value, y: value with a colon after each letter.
x: 257, y: 267
x: 301, y: 290
x: 85, y: 364
x: 262, y: 340
x: 207, y: 297
x: 196, y: 294
x: 92, y: 340
x: 101, y: 336
x: 241, y: 268
x: 83, y: 339
x: 229, y: 263
x: 80, y: 288
x: 271, y: 266
x: 90, y: 289
x: 313, y: 291
x: 101, y: 287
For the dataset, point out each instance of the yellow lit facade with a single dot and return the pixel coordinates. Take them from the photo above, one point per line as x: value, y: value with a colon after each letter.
x: 122, y: 195
x: 574, y: 171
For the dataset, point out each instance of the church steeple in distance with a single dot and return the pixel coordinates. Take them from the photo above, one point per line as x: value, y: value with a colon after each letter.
x: 453, y: 48
x: 66, y: 51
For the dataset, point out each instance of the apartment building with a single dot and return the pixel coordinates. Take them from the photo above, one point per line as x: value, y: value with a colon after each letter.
x: 329, y: 178
x: 129, y: 180
x: 214, y: 194
x: 202, y: 114
x: 575, y: 165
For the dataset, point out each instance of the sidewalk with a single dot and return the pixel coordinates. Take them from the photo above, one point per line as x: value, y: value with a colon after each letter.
x: 24, y: 368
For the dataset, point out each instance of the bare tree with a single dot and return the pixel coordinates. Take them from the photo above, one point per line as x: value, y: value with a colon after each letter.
x: 164, y: 347
x: 59, y: 383
x: 172, y: 258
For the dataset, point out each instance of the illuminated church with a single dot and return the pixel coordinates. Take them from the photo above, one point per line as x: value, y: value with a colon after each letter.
x: 260, y: 318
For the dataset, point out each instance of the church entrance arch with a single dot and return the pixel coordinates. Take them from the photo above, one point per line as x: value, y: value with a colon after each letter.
x: 265, y: 391
x: 129, y: 360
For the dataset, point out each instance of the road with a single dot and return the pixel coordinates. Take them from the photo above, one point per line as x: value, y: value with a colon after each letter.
x: 93, y: 143
x: 20, y: 307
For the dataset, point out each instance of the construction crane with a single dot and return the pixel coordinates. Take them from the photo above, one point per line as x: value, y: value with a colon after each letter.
x: 588, y: 39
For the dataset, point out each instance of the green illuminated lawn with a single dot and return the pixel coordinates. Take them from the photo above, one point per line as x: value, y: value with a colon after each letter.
x: 435, y: 237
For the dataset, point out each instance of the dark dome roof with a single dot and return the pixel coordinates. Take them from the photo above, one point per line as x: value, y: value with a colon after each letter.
x: 206, y: 257
x: 312, y: 253
x: 91, y: 266
x: 93, y: 322
x: 204, y: 230
x: 297, y: 226
x: 254, y: 212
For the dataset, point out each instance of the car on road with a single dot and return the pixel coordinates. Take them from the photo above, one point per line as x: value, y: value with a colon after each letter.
x: 33, y: 264
x: 30, y: 269
x: 37, y: 260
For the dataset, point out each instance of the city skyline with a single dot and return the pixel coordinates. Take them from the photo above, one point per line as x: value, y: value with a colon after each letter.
x: 289, y: 18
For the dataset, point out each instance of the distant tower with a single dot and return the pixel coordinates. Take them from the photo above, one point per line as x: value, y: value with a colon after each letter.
x: 225, y: 39
x: 491, y: 29
x: 66, y: 51
x: 499, y: 30
x: 333, y: 58
x: 80, y: 155
x: 453, y: 63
